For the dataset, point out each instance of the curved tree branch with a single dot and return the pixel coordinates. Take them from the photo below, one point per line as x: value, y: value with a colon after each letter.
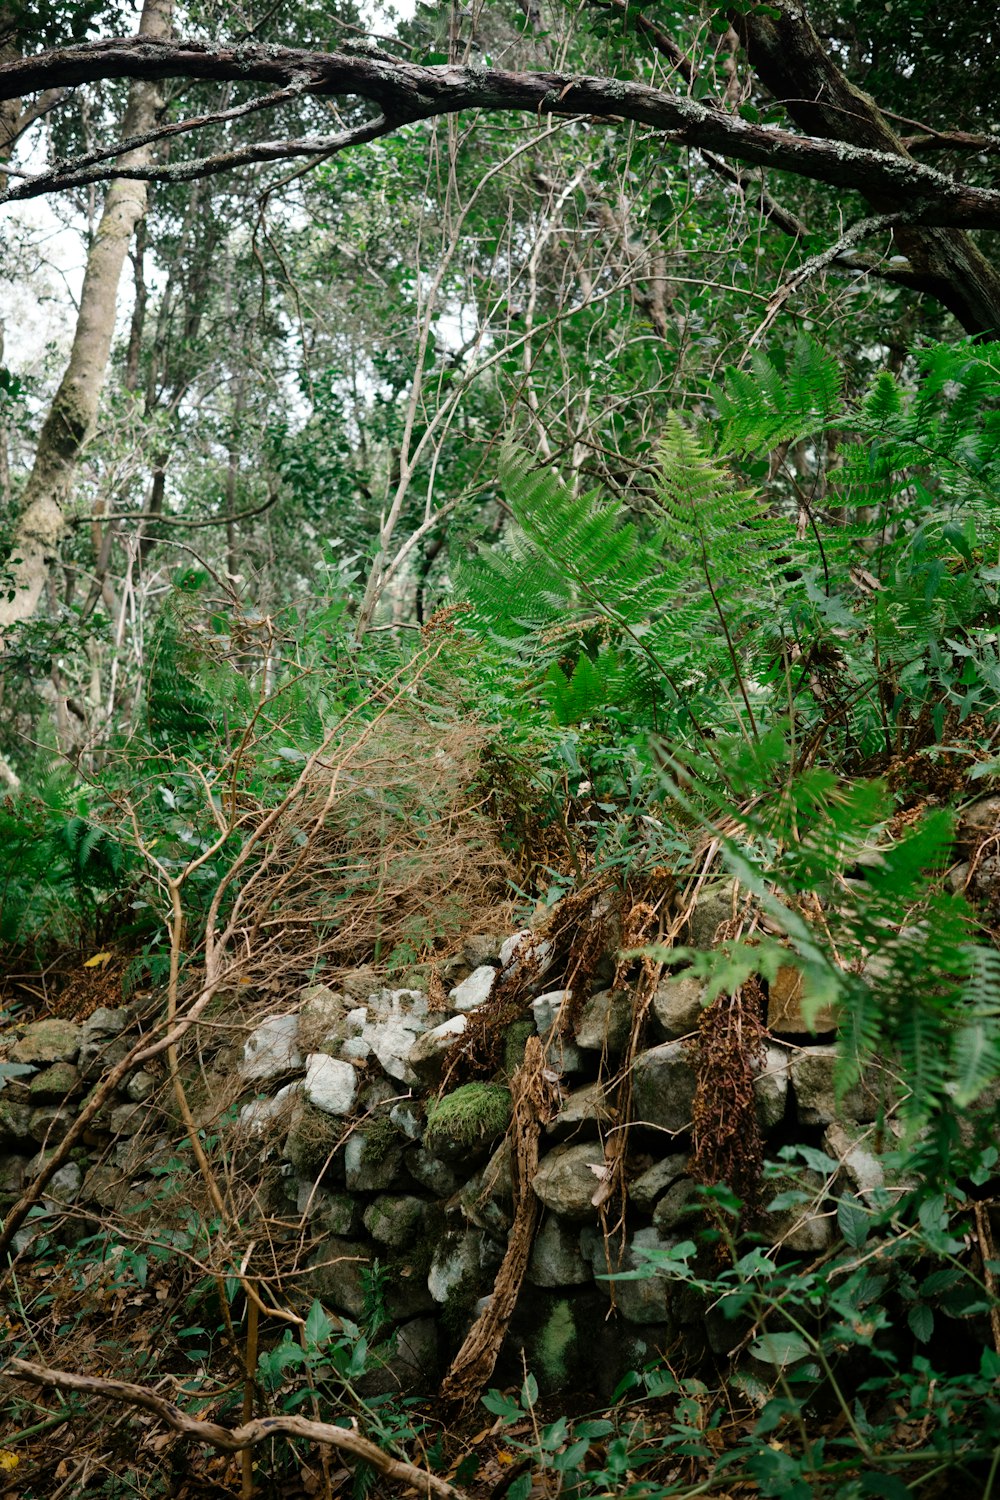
x: 406, y: 91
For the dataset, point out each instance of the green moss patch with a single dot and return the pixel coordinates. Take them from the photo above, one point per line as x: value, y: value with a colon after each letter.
x: 470, y: 1117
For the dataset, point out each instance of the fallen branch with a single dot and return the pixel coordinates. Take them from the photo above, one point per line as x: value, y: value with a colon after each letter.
x: 236, y: 1439
x: 534, y: 1104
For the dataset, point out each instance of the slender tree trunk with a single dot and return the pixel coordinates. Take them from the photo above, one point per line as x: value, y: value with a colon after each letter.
x: 74, y: 408
x: 5, y: 492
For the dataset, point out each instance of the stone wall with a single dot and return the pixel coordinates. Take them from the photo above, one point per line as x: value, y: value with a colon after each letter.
x: 407, y: 1196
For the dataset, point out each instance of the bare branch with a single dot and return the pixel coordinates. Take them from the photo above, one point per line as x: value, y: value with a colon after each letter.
x: 236, y: 1439
x: 318, y: 147
x: 69, y: 170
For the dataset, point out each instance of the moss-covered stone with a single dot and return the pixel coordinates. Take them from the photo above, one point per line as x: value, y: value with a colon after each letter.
x: 313, y: 1140
x: 395, y: 1220
x: 56, y: 1083
x: 514, y: 1044
x: 553, y: 1343
x: 467, y: 1120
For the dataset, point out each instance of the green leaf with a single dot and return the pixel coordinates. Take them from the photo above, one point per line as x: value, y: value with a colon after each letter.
x: 921, y: 1321
x: 318, y: 1325
x: 529, y: 1392
x: 853, y: 1221
x: 780, y: 1349
x: 501, y: 1405
x: 886, y: 1485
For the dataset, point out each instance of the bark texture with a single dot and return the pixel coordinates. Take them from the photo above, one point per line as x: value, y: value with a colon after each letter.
x: 791, y: 61
x: 71, y: 417
x: 407, y: 91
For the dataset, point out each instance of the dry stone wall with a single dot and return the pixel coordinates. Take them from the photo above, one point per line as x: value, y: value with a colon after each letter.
x: 407, y: 1191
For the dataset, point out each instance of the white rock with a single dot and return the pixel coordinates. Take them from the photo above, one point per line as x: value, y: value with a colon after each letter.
x: 546, y: 1008
x: 356, y: 1049
x: 510, y: 945
x: 426, y: 1054
x: 258, y: 1114
x: 395, y: 1019
x: 524, y: 948
x: 331, y: 1085
x: 355, y: 1020
x: 474, y: 991
x: 272, y: 1048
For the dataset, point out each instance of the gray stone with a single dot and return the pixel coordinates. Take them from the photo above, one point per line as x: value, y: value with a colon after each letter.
x: 605, y: 1022
x: 336, y: 1275
x: 474, y: 991
x: 978, y: 822
x: 677, y: 1005
x: 663, y: 1085
x: 100, y: 1053
x: 395, y: 1221
x: 260, y: 1114
x: 330, y: 1085
x: 405, y: 1291
x: 416, y: 1360
x: 813, y: 1070
x: 566, y: 1180
x: 15, y: 1116
x: 12, y: 1174
x: 458, y: 1257
x: 485, y: 1207
x: 64, y: 1185
x: 861, y: 1166
x: 680, y: 1204
x: 431, y: 1173
x: 48, y: 1041
x: 355, y: 1050
x: 54, y: 1084
x: 322, y: 1013
x: 770, y: 1086
x: 497, y: 1177
x: 648, y: 1301
x: 426, y: 1057
x: 806, y: 1226
x: 127, y: 1119
x: 369, y: 1166
x: 645, y: 1190
x: 546, y: 1008
x: 582, y: 1114
x: 105, y: 1022
x: 272, y: 1048
x: 713, y: 907
x: 408, y: 1119
x: 105, y: 1186
x: 482, y: 948
x: 563, y: 1056
x: 49, y: 1123
x: 340, y: 1214
x: 358, y: 984
x: 314, y: 1143
x: 556, y: 1259
x: 141, y: 1086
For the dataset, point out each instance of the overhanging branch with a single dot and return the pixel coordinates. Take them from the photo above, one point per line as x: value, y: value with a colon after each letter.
x: 405, y: 91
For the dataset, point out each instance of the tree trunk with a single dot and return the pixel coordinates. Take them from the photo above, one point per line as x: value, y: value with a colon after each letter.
x: 74, y: 409
x: 791, y: 61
